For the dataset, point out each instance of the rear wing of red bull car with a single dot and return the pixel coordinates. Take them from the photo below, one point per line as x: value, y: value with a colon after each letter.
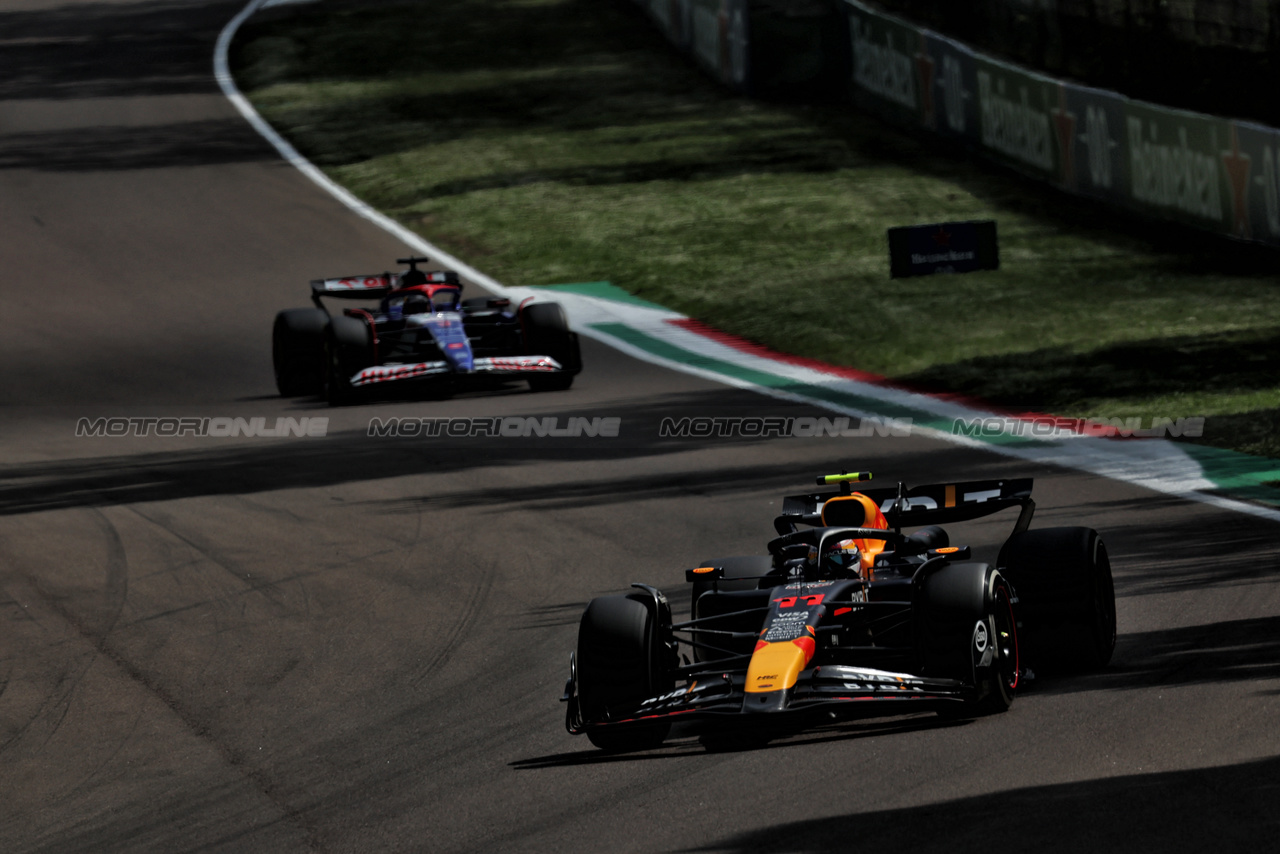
x: 931, y: 504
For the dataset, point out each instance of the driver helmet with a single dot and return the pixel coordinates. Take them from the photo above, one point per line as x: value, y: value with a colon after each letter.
x: 841, y: 558
x: 416, y: 304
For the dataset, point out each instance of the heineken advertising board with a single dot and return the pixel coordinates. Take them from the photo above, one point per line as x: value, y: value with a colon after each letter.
x: 714, y: 32
x: 1207, y: 172
x: 950, y: 85
x: 1016, y: 122
x: 1090, y: 124
x: 886, y: 59
x: 1255, y: 171
x: 1176, y: 168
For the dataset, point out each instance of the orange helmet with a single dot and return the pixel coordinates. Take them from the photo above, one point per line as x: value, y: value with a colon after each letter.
x: 858, y: 511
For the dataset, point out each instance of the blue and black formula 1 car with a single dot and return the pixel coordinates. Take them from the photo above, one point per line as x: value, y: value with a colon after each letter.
x: 419, y: 330
x: 846, y: 616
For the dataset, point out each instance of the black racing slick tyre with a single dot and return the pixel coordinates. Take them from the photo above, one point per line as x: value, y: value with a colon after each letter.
x: 297, y: 351
x: 546, y: 333
x: 1066, y: 596
x: 620, y: 663
x: 966, y: 630
x: 348, y: 349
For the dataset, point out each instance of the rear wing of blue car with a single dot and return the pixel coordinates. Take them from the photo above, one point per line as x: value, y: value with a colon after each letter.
x: 933, y: 504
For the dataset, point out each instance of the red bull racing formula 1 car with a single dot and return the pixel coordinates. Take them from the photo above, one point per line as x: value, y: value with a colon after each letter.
x: 419, y: 330
x: 846, y: 616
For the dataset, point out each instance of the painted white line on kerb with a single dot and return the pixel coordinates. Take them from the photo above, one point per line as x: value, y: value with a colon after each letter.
x: 585, y: 310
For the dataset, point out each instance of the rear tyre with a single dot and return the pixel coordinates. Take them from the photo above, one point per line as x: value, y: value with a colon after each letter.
x: 297, y: 351
x: 546, y: 333
x: 620, y: 663
x: 1066, y: 596
x: 967, y: 631
x: 348, y: 349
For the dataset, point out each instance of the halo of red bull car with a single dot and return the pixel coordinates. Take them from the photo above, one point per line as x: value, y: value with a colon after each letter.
x: 418, y: 330
x: 846, y: 617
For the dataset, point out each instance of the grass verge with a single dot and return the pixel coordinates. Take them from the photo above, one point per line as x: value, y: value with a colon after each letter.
x: 561, y: 141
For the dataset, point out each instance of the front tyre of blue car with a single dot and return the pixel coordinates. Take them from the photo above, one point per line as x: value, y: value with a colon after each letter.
x: 546, y: 333
x: 347, y: 351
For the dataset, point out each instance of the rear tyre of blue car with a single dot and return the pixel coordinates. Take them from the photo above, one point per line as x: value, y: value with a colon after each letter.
x: 620, y: 664
x: 297, y: 351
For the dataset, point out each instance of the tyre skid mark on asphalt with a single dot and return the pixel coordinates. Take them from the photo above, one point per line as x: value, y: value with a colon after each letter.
x: 269, y: 589
x: 479, y: 595
x: 104, y: 649
x: 115, y: 589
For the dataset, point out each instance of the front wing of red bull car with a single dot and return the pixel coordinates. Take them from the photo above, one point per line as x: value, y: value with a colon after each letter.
x: 846, y: 617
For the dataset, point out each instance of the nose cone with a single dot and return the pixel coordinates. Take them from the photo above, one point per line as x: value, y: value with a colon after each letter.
x: 775, y: 667
x: 451, y: 338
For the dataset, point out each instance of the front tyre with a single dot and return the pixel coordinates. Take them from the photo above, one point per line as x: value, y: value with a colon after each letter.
x: 348, y: 349
x: 967, y: 631
x: 619, y: 665
x: 546, y: 333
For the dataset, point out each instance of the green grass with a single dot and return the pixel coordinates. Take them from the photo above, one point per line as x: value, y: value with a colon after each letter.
x: 556, y: 141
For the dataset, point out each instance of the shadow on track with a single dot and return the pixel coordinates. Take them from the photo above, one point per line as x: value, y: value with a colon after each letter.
x: 197, y: 143
x: 1225, y: 808
x: 1227, y: 651
x: 266, y: 464
x: 99, y: 50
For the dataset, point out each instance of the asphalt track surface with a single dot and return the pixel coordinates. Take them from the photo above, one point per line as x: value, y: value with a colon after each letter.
x: 356, y: 644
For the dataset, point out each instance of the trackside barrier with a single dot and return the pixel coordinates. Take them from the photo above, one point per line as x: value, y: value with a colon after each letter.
x: 1219, y: 175
x: 714, y: 32
x: 1211, y: 173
